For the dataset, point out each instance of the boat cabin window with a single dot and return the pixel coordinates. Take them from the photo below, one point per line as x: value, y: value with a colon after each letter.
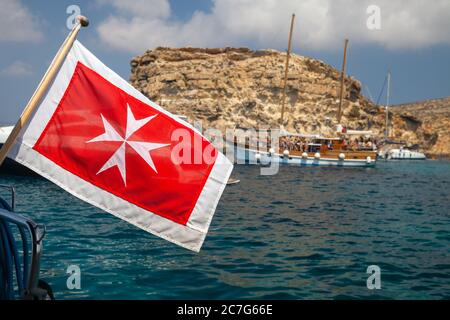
x: 314, y: 147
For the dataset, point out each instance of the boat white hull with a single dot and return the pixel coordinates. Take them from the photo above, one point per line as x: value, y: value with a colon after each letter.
x: 402, y: 154
x: 250, y: 156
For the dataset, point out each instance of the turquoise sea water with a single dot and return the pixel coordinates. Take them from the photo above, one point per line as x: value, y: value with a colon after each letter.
x: 305, y: 233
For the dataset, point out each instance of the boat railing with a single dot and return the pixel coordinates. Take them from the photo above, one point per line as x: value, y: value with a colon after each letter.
x: 19, y: 276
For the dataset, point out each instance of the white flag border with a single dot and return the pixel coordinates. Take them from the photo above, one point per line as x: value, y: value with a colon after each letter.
x: 190, y: 236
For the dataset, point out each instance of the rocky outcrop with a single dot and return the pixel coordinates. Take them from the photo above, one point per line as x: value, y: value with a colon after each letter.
x: 426, y: 123
x: 241, y: 88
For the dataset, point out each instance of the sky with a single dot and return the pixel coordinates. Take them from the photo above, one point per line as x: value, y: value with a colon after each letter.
x: 409, y: 37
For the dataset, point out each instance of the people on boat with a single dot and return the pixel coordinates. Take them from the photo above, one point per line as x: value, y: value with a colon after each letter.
x: 304, y: 144
x: 359, y: 144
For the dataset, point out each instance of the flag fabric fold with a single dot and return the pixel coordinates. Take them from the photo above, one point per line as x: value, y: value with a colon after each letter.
x: 103, y: 141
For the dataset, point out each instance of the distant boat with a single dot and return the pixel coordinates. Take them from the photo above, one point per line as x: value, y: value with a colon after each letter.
x: 10, y: 166
x: 233, y: 181
x: 402, y: 153
x: 4, y: 134
x: 390, y: 153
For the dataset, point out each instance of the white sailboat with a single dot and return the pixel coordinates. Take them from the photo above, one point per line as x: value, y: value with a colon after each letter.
x: 9, y: 165
x: 404, y: 153
x: 4, y: 134
x: 401, y: 153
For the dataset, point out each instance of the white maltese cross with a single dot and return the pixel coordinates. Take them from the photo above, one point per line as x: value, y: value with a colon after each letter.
x: 142, y: 148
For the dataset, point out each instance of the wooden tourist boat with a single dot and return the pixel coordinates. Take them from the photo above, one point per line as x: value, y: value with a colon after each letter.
x: 314, y: 150
x: 304, y: 150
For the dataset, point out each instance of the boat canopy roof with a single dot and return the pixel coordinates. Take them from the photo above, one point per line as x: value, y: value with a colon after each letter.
x: 308, y: 136
x: 358, y: 133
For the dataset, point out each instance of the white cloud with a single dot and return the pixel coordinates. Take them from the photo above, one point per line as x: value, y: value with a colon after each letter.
x: 149, y: 9
x: 17, y: 24
x: 320, y: 24
x: 17, y: 69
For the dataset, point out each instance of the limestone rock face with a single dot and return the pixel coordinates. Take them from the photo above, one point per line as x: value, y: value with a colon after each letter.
x: 240, y: 88
x: 429, y: 120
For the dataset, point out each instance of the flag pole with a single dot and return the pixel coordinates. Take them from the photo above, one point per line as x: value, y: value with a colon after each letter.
x: 43, y: 85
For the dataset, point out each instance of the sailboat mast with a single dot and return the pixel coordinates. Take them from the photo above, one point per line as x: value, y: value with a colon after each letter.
x: 341, y: 94
x: 388, y: 92
x: 283, y: 99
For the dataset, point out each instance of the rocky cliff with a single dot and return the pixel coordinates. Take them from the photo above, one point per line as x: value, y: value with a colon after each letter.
x: 241, y: 88
x: 424, y: 122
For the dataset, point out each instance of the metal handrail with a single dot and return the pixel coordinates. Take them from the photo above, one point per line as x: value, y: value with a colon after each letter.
x: 37, y: 233
x: 13, y: 195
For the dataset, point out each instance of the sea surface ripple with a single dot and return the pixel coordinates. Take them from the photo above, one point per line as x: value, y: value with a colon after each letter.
x: 305, y: 233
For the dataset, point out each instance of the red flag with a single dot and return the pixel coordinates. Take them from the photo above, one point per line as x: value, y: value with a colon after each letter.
x: 103, y: 141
